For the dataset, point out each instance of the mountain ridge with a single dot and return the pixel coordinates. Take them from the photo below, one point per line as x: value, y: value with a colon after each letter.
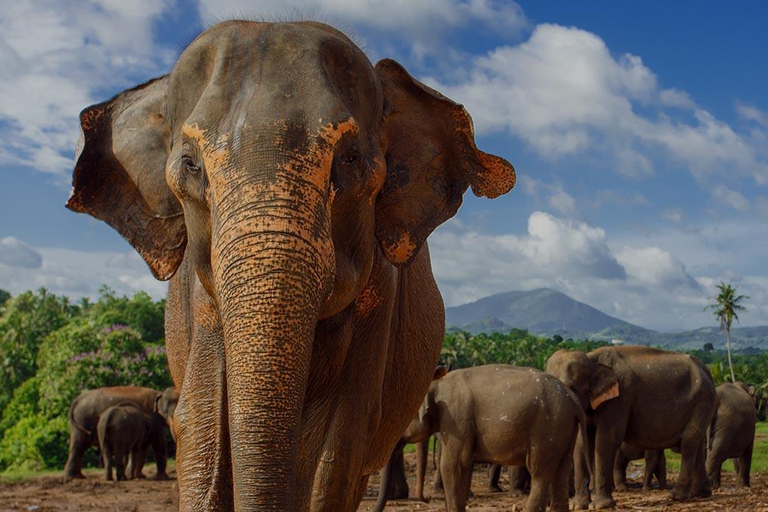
x: 547, y: 312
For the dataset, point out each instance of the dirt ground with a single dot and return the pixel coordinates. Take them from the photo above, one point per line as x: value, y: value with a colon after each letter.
x: 52, y: 493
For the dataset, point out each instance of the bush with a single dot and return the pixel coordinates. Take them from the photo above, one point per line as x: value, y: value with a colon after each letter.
x: 35, y: 443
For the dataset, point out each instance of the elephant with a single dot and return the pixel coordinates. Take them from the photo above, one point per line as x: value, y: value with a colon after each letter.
x: 505, y: 415
x: 655, y: 465
x: 732, y: 432
x: 123, y: 429
x: 519, y: 479
x: 393, y: 485
x: 87, y: 408
x: 648, y: 397
x: 286, y: 187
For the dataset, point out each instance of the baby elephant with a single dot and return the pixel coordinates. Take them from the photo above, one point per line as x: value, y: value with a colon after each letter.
x: 732, y: 432
x: 123, y: 430
x: 505, y: 415
x: 655, y: 465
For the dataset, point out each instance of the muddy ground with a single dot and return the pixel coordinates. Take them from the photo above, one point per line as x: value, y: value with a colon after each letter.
x: 52, y: 493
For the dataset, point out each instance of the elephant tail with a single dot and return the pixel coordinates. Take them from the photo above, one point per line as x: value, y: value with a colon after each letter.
x: 71, y: 417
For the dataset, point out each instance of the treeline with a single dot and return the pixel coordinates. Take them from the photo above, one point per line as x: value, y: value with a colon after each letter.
x: 52, y: 349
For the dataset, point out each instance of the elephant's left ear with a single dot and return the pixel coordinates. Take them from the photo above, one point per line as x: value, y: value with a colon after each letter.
x: 119, y: 174
x: 431, y: 160
x: 604, y: 385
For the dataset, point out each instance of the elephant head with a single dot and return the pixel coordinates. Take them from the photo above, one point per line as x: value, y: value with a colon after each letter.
x: 426, y: 422
x: 592, y: 381
x: 278, y: 163
x: 165, y: 406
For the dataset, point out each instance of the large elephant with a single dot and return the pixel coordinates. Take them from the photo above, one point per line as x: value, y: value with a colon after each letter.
x: 732, y: 433
x: 655, y: 465
x: 286, y: 187
x: 87, y: 408
x: 651, y: 398
x: 505, y: 415
x: 123, y: 429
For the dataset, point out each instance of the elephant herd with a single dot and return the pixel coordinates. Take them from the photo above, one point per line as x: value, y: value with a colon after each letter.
x: 583, y: 419
x: 123, y: 421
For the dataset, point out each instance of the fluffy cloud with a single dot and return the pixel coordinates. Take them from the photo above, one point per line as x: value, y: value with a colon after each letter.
x: 754, y: 114
x: 17, y: 254
x: 75, y: 273
x: 54, y: 58
x: 564, y: 93
x: 637, y: 281
x: 730, y: 198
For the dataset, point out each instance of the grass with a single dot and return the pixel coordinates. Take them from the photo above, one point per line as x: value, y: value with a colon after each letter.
x: 759, y: 453
x: 23, y: 474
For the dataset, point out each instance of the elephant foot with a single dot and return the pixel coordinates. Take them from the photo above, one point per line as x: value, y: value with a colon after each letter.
x: 74, y: 476
x: 679, y: 493
x: 620, y: 487
x: 581, y: 502
x: 515, y: 492
x: 603, y: 502
x: 495, y: 488
x: 159, y: 476
x: 423, y: 499
x: 701, y: 491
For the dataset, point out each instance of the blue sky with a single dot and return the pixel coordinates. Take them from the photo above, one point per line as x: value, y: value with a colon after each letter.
x: 639, y: 132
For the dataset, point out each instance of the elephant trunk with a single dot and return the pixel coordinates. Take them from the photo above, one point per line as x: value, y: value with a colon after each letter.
x: 272, y: 263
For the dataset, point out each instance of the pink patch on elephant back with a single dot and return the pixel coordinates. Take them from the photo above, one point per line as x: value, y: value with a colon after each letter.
x: 608, y: 394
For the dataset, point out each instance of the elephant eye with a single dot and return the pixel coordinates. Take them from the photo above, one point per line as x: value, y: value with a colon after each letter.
x: 351, y: 157
x: 190, y: 165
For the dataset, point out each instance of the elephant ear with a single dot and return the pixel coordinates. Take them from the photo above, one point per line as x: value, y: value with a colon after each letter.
x: 604, y: 385
x: 431, y: 160
x: 119, y: 174
x: 440, y: 372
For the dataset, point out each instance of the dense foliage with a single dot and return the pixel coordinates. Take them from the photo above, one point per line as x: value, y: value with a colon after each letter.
x: 51, y: 350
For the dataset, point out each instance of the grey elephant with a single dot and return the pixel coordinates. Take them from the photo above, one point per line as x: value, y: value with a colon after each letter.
x: 86, y: 410
x: 732, y: 433
x: 655, y: 465
x: 505, y: 415
x: 123, y: 429
x: 648, y: 397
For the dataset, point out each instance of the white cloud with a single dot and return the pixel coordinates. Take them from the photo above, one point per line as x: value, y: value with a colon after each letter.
x: 673, y: 215
x: 80, y: 274
x: 730, y: 198
x: 563, y: 93
x: 750, y: 113
x: 420, y: 24
x: 15, y: 253
x: 56, y: 59
x: 649, y: 284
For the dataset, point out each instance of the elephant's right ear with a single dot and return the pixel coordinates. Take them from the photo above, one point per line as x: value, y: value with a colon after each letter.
x: 604, y: 385
x: 119, y: 174
x: 440, y: 372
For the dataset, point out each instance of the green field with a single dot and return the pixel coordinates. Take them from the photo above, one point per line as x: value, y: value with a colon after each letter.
x: 20, y: 475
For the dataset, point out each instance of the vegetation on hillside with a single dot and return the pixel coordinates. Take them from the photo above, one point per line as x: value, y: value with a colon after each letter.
x: 51, y: 350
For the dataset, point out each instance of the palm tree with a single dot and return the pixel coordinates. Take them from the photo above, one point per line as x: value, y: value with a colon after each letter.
x: 725, y: 311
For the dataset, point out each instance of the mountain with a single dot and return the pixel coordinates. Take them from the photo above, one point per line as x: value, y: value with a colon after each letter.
x: 548, y: 312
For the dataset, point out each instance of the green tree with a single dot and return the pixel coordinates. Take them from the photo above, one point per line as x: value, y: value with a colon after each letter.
x: 725, y: 310
x: 4, y: 297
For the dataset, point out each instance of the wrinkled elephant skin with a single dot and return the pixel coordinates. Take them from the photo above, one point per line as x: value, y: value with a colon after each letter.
x: 286, y: 187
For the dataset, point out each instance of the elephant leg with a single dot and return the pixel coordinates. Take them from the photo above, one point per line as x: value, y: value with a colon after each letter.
x: 456, y: 464
x: 715, y: 459
x: 692, y: 480
x: 160, y: 447
x: 494, y: 473
x: 607, y: 443
x: 581, y: 474
x: 558, y: 501
x: 744, y: 465
x: 661, y: 470
x: 386, y: 477
x: 519, y: 480
x: 136, y: 466
x: 651, y: 461
x: 78, y: 443
x: 620, y: 471
x: 541, y: 483
x: 121, y: 458
x: 437, y: 482
x: 106, y: 457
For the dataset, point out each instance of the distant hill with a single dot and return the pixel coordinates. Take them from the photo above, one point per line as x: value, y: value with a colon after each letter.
x: 548, y: 312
